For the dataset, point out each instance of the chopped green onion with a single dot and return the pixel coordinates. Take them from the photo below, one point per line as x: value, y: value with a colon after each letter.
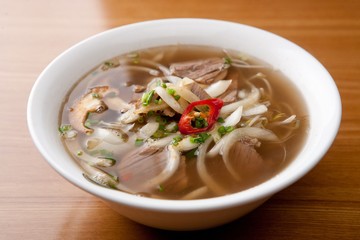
x: 159, y: 134
x: 139, y: 142
x: 177, y: 97
x: 199, y: 122
x: 220, y: 120
x: 150, y: 113
x: 95, y: 95
x: 158, y: 101
x: 201, y: 138
x: 225, y: 129
x: 227, y: 60
x: 163, y: 85
x: 141, y: 119
x: 65, y: 128
x: 79, y: 153
x: 146, y: 97
x: 176, y: 140
x: 91, y: 122
x: 170, y: 91
x: 160, y: 188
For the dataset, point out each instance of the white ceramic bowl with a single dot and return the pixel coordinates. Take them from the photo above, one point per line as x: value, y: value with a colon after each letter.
x: 309, y: 76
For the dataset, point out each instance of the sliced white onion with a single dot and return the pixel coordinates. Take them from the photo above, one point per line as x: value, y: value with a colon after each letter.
x: 216, y: 149
x: 185, y: 93
x: 186, y: 145
x: 169, y: 99
x: 251, y: 99
x: 184, y: 81
x: 237, y: 135
x: 171, y: 126
x: 258, y: 109
x: 108, y: 135
x: 170, y: 168
x: 234, y: 118
x: 203, y: 173
x: 148, y: 130
x: 173, y: 79
x: 218, y: 88
x: 96, y: 161
x: 116, y: 103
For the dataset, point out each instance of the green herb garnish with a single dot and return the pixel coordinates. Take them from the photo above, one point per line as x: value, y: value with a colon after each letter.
x: 199, y: 122
x: 225, y: 129
x: 139, y: 142
x: 220, y: 120
x: 146, y: 97
x: 227, y: 60
x: 64, y: 128
x: 95, y: 95
x: 170, y: 91
x: 176, y: 140
x: 201, y: 138
x: 160, y: 188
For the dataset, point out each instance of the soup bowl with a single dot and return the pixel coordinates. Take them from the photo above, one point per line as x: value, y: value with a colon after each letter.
x: 309, y: 76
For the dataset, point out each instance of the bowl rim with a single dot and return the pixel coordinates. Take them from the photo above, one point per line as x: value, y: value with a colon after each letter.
x: 221, y: 202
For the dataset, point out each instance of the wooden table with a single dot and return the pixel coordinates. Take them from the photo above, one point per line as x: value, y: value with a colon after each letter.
x: 36, y: 203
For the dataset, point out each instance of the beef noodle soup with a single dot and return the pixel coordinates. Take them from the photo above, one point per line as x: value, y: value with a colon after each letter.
x: 183, y: 122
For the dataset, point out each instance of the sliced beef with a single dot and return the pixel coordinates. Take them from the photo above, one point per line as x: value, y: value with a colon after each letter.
x: 203, y: 71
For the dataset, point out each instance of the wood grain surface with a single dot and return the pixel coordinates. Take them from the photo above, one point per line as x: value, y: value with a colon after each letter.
x: 36, y: 203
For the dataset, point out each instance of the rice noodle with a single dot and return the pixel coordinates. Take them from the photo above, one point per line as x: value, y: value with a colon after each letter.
x: 169, y: 99
x: 218, y: 88
x: 203, y: 173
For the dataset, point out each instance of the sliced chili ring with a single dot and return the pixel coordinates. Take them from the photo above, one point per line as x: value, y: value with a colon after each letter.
x: 200, y: 116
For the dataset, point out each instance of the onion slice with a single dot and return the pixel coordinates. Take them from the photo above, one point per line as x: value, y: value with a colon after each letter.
x: 218, y: 88
x: 237, y: 135
x: 148, y: 129
x: 251, y: 99
x: 258, y: 109
x: 170, y: 168
x: 234, y: 117
x: 203, y: 173
x: 169, y: 99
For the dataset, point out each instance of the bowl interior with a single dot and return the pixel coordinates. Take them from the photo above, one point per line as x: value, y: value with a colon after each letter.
x: 309, y: 76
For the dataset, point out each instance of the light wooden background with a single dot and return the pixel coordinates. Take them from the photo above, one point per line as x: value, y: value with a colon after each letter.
x: 36, y: 203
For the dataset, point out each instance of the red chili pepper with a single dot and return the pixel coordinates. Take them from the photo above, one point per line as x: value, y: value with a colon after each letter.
x: 200, y: 116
